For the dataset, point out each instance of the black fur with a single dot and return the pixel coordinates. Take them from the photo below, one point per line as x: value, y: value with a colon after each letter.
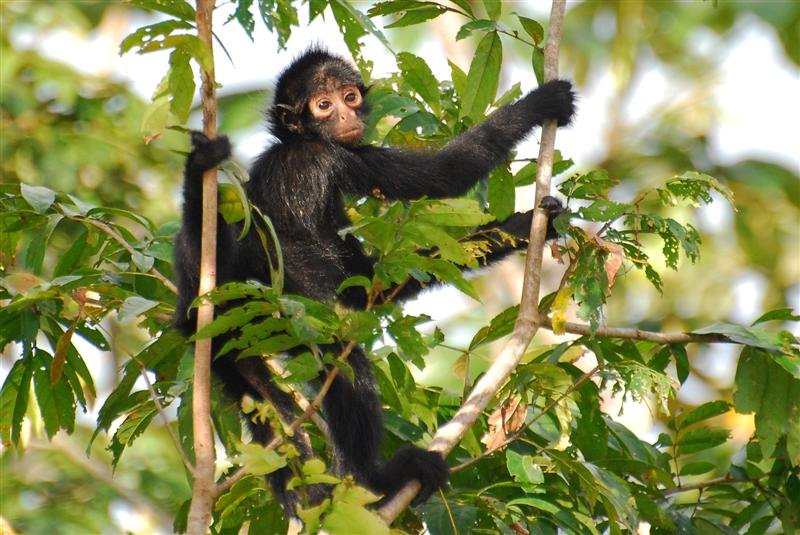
x: 299, y: 182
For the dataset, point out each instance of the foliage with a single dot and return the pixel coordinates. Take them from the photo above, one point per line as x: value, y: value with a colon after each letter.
x: 545, y: 457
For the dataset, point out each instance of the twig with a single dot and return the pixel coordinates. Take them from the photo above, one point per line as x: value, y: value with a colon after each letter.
x: 160, y: 408
x: 527, y: 323
x: 300, y: 399
x: 317, y: 402
x: 705, y: 484
x: 127, y: 246
x: 203, y: 488
x: 638, y: 334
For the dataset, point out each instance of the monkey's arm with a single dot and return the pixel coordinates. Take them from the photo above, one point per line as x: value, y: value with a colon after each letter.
x: 502, y: 237
x: 205, y: 155
x: 451, y: 171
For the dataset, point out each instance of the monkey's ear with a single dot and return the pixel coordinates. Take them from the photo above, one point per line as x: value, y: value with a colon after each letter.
x: 289, y: 118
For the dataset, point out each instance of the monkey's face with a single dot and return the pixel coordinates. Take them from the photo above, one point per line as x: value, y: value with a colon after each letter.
x: 336, y: 111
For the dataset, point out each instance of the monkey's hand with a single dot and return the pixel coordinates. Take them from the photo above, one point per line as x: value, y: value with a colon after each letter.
x: 556, y: 100
x: 519, y: 224
x: 411, y: 462
x: 207, y: 153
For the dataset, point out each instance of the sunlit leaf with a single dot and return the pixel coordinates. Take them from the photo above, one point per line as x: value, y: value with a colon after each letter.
x: 40, y: 198
x: 483, y: 77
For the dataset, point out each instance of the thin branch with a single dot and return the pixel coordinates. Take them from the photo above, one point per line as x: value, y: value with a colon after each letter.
x: 638, y: 334
x: 487, y: 387
x: 160, y: 408
x: 705, y: 484
x: 317, y: 402
x: 203, y: 487
x: 300, y: 399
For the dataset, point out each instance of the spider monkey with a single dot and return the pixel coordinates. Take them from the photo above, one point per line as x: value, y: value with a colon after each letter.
x: 318, y: 117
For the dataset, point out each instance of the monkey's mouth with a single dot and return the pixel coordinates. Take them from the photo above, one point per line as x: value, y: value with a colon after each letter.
x: 351, y: 136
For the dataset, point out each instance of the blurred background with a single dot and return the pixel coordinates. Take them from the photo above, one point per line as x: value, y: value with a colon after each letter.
x: 664, y: 87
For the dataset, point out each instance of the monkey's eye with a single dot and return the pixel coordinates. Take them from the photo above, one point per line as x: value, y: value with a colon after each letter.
x: 324, y: 105
x: 352, y: 97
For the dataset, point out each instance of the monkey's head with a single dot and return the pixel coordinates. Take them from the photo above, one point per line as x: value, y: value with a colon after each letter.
x: 321, y: 96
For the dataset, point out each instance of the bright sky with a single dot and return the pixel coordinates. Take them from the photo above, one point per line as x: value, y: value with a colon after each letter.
x: 754, y: 86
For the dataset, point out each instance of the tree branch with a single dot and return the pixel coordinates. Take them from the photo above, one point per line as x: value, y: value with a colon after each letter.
x: 487, y: 387
x: 203, y: 489
x: 638, y: 334
x: 165, y: 419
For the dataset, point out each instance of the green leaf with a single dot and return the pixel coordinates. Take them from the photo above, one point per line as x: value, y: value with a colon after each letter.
x: 749, y: 336
x: 701, y: 439
x: 56, y: 402
x: 483, y: 77
x: 593, y: 185
x: 40, y: 198
x: 134, y: 306
x: 532, y: 28
x: 35, y: 251
x: 480, y: 25
x: 424, y: 122
x: 230, y: 203
x: 537, y: 62
x: 355, y: 281
x: 500, y: 326
x: 302, y: 368
x: 142, y: 261
x: 451, y: 213
x: 235, y: 506
x: 188, y: 44
x: 418, y: 15
x: 602, y: 210
x: 14, y: 399
x: 146, y: 34
x: 176, y: 8
x: 766, y: 388
x: 156, y: 114
x: 704, y: 412
x: 258, y: 460
x: 131, y: 428
x: 72, y: 256
x: 510, y: 96
x: 431, y: 236
x: 279, y: 17
x: 410, y: 342
x: 694, y: 187
x: 394, y: 6
x: 181, y: 84
x: 353, y: 519
x: 418, y: 74
x: 501, y: 193
x: 451, y: 518
x: 780, y: 314
x: 459, y: 79
x: 244, y: 17
x: 682, y: 366
x: 523, y: 469
x: 697, y: 468
x: 493, y: 8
